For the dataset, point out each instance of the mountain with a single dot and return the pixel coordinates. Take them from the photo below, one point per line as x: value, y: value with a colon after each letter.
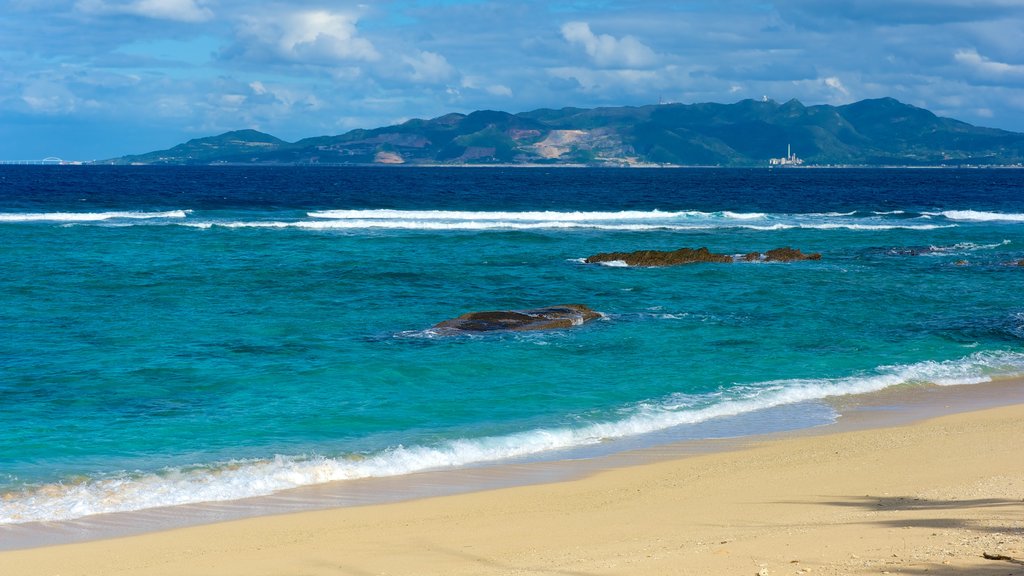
x: 236, y: 146
x: 748, y: 133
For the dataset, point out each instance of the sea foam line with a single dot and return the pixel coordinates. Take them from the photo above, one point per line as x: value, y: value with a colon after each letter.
x: 482, y: 225
x: 966, y: 247
x: 535, y: 216
x: 89, y: 216
x: 248, y: 478
x: 978, y: 216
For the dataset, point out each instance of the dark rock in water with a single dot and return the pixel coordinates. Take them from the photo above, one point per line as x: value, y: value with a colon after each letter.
x: 548, y: 318
x: 788, y: 254
x: 693, y: 256
x: 910, y: 251
x: 660, y: 257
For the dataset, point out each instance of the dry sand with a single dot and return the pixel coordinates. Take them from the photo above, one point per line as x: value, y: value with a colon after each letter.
x: 926, y: 498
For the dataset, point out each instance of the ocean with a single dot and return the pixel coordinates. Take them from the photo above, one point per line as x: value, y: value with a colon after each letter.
x: 176, y: 335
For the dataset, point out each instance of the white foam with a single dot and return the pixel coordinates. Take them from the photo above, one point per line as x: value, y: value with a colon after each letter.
x: 89, y: 216
x: 743, y: 216
x: 442, y: 220
x: 484, y: 225
x: 247, y: 478
x: 547, y: 216
x: 836, y: 226
x: 966, y: 247
x: 452, y: 225
x: 978, y: 216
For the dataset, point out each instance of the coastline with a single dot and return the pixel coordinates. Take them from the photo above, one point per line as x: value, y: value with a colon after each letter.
x: 869, y: 494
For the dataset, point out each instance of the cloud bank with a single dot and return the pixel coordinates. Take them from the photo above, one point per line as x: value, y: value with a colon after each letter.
x: 99, y: 78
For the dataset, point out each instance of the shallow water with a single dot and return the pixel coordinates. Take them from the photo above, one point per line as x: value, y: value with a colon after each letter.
x: 180, y: 335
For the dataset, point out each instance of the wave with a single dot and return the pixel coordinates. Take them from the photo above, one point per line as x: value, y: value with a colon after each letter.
x: 483, y: 225
x: 966, y: 247
x: 546, y: 216
x: 89, y: 216
x: 461, y: 220
x: 626, y: 220
x: 617, y: 221
x: 977, y: 216
x: 249, y: 478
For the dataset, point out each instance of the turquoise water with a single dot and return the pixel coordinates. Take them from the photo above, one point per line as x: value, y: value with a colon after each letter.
x: 186, y: 335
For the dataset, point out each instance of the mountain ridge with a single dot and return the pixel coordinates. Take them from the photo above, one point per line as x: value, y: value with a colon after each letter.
x: 874, y: 132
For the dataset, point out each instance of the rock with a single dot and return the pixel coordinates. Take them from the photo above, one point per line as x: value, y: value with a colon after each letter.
x: 547, y: 318
x: 788, y: 254
x: 660, y: 257
x: 693, y: 256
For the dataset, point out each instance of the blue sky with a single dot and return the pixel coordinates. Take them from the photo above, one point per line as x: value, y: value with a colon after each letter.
x: 93, y: 79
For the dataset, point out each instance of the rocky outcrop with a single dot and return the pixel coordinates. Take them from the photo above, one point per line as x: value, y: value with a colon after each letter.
x: 660, y: 257
x: 647, y: 258
x: 547, y: 318
x: 786, y: 254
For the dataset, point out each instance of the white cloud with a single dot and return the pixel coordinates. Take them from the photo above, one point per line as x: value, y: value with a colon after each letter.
x: 481, y: 83
x: 176, y: 10
x: 603, y: 81
x: 834, y: 83
x: 232, y: 100
x: 499, y: 90
x: 173, y: 106
x: 607, y: 51
x: 829, y: 89
x: 317, y: 36
x: 429, y: 67
x: 181, y: 10
x: 972, y: 59
x: 49, y: 98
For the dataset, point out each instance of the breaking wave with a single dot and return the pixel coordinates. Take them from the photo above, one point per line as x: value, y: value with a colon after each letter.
x: 977, y: 216
x: 456, y: 220
x: 90, y: 216
x: 129, y: 491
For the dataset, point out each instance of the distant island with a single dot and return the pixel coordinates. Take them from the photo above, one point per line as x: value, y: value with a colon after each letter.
x: 878, y: 132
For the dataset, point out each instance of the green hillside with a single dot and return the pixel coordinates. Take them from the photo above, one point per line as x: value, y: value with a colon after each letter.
x: 748, y: 133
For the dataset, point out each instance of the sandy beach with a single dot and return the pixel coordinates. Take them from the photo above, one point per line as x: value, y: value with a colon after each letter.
x: 929, y: 497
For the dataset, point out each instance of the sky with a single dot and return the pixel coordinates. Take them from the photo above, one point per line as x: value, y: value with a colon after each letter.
x: 96, y: 79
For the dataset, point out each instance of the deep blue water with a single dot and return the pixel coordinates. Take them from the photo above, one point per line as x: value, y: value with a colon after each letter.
x: 173, y: 335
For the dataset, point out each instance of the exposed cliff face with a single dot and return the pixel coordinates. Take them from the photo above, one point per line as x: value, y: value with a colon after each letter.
x: 747, y: 133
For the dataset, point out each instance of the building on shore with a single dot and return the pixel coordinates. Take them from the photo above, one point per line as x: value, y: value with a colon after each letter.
x: 789, y: 160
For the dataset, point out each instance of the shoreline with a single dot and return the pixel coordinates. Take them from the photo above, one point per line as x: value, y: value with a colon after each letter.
x: 904, y: 421
x: 891, y: 406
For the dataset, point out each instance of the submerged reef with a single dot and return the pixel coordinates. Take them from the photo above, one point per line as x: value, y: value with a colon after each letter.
x: 547, y: 318
x: 651, y: 258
